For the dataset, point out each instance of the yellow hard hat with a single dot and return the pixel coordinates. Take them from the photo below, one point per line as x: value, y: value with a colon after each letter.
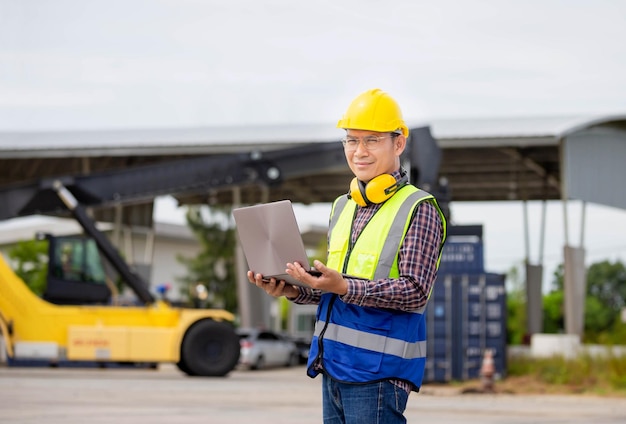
x: 374, y: 110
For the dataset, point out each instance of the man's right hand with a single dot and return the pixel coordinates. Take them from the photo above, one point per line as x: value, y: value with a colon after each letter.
x: 273, y: 287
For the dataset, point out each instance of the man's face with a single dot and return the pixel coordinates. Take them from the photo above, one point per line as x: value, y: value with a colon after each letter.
x: 382, y: 157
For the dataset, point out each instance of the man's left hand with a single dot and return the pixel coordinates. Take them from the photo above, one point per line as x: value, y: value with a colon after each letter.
x: 329, y: 281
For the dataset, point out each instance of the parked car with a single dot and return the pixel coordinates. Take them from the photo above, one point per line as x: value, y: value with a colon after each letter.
x: 262, y: 348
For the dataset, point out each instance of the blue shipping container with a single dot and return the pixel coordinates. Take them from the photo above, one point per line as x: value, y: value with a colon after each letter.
x: 466, y: 315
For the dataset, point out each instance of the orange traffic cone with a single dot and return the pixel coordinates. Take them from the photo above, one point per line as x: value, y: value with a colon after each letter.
x: 487, y: 371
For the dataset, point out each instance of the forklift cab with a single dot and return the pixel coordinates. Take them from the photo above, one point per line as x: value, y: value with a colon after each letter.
x: 76, y: 274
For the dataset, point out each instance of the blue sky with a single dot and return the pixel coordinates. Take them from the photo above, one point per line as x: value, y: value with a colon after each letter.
x: 71, y: 64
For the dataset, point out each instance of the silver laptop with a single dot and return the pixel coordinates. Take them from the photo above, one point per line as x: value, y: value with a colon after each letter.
x: 270, y: 238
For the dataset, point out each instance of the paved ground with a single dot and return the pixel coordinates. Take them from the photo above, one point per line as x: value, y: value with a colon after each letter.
x: 78, y: 396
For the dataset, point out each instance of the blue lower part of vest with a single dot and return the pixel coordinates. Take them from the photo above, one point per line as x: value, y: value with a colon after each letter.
x: 348, y: 365
x: 357, y: 365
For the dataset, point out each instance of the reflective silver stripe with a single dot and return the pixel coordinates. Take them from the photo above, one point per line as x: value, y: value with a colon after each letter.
x: 339, y: 205
x: 373, y: 342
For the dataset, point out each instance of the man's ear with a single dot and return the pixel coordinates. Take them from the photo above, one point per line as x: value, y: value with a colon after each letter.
x: 400, y: 144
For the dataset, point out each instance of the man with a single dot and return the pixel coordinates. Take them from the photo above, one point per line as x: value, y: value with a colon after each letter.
x: 384, y: 245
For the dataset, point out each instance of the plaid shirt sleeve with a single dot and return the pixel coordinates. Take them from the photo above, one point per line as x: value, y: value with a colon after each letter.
x: 307, y: 296
x: 417, y: 265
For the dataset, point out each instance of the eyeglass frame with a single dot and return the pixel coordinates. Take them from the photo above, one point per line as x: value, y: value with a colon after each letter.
x: 362, y: 140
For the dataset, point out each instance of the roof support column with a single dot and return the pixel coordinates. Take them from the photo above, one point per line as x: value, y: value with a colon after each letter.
x: 574, y: 278
x: 534, y: 278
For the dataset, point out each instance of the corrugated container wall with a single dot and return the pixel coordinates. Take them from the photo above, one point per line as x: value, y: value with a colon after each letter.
x: 466, y: 314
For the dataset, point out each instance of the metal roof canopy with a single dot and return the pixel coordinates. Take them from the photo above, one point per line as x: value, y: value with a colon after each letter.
x: 482, y: 160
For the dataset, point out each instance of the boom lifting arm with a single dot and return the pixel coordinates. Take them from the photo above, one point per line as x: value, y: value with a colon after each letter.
x: 195, y: 175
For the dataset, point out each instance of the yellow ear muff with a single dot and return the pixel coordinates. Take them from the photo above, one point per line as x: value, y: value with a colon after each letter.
x: 357, y: 192
x: 377, y: 190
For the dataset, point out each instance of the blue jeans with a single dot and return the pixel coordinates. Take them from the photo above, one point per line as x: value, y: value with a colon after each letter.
x: 373, y: 403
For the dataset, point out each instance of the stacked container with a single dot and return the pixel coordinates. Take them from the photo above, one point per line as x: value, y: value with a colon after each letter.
x: 466, y: 314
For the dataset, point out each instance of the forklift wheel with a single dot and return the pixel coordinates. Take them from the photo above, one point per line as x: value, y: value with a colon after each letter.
x: 209, y: 349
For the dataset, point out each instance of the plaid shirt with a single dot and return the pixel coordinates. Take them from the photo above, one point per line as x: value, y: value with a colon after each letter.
x: 417, y: 262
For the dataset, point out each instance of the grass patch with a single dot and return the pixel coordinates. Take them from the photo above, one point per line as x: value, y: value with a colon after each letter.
x: 604, y: 375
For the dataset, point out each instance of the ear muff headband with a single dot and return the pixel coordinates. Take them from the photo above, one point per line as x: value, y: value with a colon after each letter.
x: 377, y: 190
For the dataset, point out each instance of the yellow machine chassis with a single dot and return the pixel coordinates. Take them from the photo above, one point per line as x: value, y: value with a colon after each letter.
x: 104, y: 333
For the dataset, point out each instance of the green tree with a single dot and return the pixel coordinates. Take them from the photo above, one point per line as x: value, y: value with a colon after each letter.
x: 31, y: 257
x: 598, y: 318
x: 214, y: 267
x: 606, y: 297
x: 553, y: 317
x: 606, y: 282
x: 516, y: 307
